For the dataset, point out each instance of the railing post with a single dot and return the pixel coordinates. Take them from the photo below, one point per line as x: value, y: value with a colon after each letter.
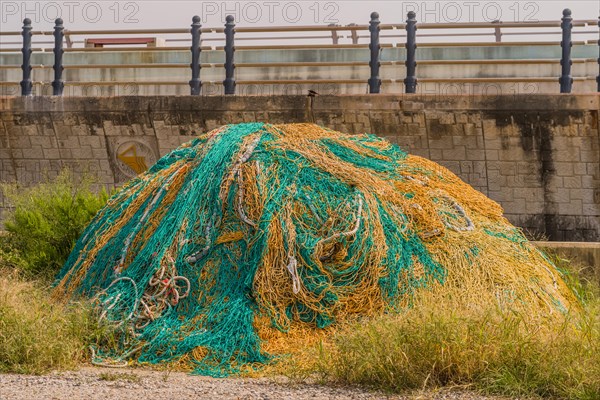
x: 58, y: 84
x: 229, y: 82
x: 497, y: 31
x: 353, y: 34
x: 195, y: 83
x: 598, y: 77
x: 26, y: 84
x: 565, y: 80
x: 334, y: 34
x: 410, y: 83
x: 374, y: 81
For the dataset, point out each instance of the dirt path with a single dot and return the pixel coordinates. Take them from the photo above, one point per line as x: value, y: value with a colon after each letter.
x: 138, y: 384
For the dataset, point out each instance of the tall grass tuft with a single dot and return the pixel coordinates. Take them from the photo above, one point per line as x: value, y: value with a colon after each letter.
x: 45, y: 222
x: 38, y: 334
x: 440, y: 342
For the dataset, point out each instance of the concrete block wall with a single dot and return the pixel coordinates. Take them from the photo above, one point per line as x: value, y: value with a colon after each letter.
x: 538, y: 156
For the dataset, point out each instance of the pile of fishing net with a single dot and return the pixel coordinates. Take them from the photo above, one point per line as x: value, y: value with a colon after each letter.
x: 254, y: 228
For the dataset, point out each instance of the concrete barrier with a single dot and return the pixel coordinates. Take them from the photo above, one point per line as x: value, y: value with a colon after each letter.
x: 583, y: 254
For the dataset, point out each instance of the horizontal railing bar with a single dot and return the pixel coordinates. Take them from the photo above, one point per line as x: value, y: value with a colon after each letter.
x: 500, y: 61
x: 257, y: 38
x: 301, y: 28
x: 558, y: 32
x: 265, y: 29
x: 499, y: 80
x: 40, y: 49
x: 504, y: 33
x: 126, y: 48
x: 239, y: 82
x: 299, y: 81
x: 129, y: 31
x: 308, y: 46
x: 108, y: 32
x: 124, y: 66
x: 303, y: 64
x: 496, y: 44
x: 316, y: 28
x: 309, y: 64
x: 20, y: 43
x: 184, y: 48
x: 309, y: 81
x: 99, y: 83
x: 109, y: 83
x: 304, y: 46
x: 480, y: 25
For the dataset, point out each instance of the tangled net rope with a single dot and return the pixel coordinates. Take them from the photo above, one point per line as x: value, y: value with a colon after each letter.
x: 255, y: 228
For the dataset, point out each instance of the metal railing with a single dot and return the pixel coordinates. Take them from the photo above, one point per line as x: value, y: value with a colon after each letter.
x: 380, y: 36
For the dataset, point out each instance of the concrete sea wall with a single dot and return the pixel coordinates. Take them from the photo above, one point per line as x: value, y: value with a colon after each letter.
x: 537, y: 155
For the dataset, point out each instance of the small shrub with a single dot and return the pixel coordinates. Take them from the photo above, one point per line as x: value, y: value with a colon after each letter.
x: 45, y: 222
x: 38, y: 334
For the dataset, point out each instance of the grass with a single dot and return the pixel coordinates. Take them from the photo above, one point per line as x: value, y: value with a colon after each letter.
x: 440, y: 343
x: 38, y: 334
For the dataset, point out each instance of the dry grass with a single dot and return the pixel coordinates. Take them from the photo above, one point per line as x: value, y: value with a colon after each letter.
x: 37, y: 334
x: 442, y: 342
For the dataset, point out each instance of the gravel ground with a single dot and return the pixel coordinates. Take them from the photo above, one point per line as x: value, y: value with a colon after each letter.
x: 139, y: 384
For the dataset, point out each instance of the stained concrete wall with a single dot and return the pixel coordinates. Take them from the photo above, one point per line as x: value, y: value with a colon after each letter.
x: 539, y: 156
x: 585, y: 256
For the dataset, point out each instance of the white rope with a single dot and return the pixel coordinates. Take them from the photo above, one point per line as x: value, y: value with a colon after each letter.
x: 459, y: 210
x: 432, y: 233
x: 105, y: 364
x: 121, y: 363
x: 245, y: 156
x: 348, y: 233
x: 200, y: 254
x: 417, y: 181
x: 240, y: 201
x: 398, y: 212
x: 116, y: 299
x: 292, y: 267
x: 313, y: 209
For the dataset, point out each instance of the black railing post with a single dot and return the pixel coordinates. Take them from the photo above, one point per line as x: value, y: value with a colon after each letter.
x: 195, y: 83
x: 26, y: 84
x: 598, y: 77
x: 565, y: 80
x: 58, y: 85
x: 374, y: 81
x: 410, y: 83
x: 229, y: 82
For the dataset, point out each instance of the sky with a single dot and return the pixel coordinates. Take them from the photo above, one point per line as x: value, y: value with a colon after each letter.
x: 102, y: 14
x: 148, y: 14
